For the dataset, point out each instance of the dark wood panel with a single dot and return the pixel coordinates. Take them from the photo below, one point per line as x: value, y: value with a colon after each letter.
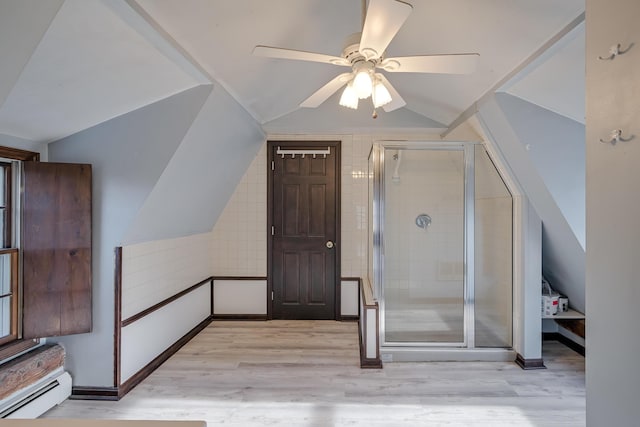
x: 291, y: 278
x: 117, y: 327
x: 529, y: 364
x: 291, y: 205
x: 318, y: 272
x: 17, y: 154
x: 56, y: 245
x: 318, y: 166
x: 239, y: 317
x: 292, y: 166
x: 166, y: 301
x: 317, y: 210
x: 556, y: 336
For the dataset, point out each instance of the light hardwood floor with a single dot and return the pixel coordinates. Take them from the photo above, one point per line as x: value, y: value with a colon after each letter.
x: 306, y: 373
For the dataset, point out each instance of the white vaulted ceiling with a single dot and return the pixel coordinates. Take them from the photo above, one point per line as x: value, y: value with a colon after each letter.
x: 102, y: 58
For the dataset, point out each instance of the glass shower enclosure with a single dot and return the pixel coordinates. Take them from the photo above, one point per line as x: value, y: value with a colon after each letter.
x: 441, y: 244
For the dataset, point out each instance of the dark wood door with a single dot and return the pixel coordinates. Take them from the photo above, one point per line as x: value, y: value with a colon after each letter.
x: 304, y: 242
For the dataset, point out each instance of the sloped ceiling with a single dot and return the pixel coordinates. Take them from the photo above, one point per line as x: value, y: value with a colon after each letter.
x: 89, y: 67
x: 98, y: 59
x: 558, y: 83
x: 221, y: 35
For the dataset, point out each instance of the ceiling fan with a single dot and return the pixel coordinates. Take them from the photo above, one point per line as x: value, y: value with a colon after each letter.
x: 365, y: 52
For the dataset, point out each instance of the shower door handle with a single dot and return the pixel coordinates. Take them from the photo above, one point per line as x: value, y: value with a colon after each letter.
x: 330, y: 244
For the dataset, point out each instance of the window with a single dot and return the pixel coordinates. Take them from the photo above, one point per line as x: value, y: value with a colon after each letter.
x: 10, y: 298
x: 45, y: 250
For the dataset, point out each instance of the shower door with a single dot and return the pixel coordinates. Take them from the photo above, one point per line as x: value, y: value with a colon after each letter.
x: 423, y: 246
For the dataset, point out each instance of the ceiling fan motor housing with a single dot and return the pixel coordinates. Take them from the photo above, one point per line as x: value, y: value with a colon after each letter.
x: 351, y: 51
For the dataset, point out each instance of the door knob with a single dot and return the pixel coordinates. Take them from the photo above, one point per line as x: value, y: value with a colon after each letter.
x: 329, y: 244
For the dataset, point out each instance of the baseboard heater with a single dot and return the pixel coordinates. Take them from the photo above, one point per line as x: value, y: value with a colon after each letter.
x: 39, y: 398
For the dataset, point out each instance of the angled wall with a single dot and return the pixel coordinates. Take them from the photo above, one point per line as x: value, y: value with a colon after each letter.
x: 563, y: 256
x: 128, y: 154
x: 555, y: 145
x: 202, y: 174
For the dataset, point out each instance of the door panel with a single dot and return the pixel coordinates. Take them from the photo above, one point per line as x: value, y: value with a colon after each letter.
x: 304, y: 208
x: 317, y: 211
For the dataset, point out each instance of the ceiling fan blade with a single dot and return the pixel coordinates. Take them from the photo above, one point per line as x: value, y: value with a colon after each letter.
x: 396, y: 99
x: 383, y: 21
x: 299, y: 55
x: 326, y: 91
x: 464, y: 63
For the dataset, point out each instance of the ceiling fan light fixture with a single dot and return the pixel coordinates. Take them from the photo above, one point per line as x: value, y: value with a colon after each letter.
x: 349, y: 97
x: 381, y: 95
x: 363, y: 84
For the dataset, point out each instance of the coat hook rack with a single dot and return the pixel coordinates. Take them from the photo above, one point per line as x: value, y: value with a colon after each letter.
x: 616, y: 136
x: 293, y: 153
x: 615, y: 51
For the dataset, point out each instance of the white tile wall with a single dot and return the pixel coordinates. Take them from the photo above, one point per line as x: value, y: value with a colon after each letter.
x: 239, y: 236
x: 154, y: 271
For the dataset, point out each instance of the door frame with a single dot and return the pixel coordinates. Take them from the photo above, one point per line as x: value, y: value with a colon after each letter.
x: 336, y: 146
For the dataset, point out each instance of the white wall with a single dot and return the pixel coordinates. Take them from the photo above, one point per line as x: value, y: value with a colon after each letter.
x: 128, y: 155
x: 613, y: 210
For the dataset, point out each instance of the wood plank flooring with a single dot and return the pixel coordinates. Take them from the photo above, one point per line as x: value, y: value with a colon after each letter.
x: 306, y: 373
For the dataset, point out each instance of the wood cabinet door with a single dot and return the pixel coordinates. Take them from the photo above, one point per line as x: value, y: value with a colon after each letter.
x: 56, y: 249
x: 304, y: 258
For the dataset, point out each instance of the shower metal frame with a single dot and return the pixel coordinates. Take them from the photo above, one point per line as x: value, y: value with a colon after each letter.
x: 378, y: 154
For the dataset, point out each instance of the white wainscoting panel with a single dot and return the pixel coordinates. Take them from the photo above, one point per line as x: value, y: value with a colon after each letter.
x: 240, y: 297
x: 372, y: 334
x: 155, y: 271
x: 144, y: 339
x: 349, y: 297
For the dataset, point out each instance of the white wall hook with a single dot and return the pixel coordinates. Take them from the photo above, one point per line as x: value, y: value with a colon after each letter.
x: 616, y: 136
x: 615, y: 51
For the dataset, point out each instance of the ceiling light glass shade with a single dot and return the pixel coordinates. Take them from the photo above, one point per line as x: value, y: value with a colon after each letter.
x: 349, y: 97
x: 381, y: 95
x: 362, y: 84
